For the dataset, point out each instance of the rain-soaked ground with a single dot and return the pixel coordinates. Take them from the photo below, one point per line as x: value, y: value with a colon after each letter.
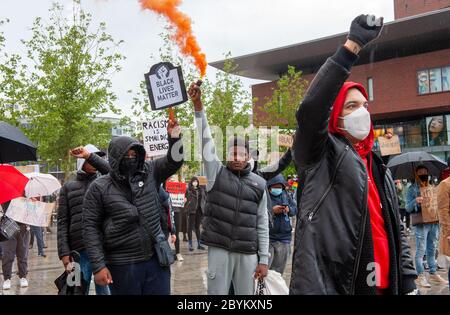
x: 188, y: 277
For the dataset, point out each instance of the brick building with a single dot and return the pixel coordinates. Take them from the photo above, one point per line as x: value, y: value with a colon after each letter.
x: 406, y: 72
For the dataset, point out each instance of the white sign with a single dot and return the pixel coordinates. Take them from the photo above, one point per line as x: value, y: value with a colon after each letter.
x: 29, y: 212
x: 165, y: 85
x: 155, y: 137
x: 177, y: 200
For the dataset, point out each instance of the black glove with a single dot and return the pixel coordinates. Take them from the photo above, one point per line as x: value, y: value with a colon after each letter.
x: 364, y: 29
x: 163, y: 251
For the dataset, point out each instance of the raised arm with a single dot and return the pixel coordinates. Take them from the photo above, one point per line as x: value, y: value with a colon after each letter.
x: 172, y: 162
x: 209, y: 156
x: 314, y: 112
x: 273, y: 170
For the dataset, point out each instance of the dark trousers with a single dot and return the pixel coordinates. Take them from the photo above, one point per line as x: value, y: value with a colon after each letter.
x: 194, y: 221
x: 177, y: 219
x: 38, y: 232
x: 145, y: 278
x: 17, y: 246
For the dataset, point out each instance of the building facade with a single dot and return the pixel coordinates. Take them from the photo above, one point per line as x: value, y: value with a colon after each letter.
x: 406, y: 73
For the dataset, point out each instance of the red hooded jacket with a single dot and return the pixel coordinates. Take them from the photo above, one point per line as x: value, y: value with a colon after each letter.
x: 364, y: 148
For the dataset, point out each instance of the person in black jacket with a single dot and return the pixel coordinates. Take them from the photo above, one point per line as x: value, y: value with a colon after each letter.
x: 196, y: 199
x: 70, y: 206
x: 349, y: 239
x: 121, y: 218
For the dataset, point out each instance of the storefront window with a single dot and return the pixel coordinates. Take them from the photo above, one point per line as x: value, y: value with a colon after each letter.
x: 436, y: 130
x: 413, y: 134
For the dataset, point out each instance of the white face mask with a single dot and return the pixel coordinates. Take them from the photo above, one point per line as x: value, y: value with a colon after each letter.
x: 358, y: 123
x: 195, y: 184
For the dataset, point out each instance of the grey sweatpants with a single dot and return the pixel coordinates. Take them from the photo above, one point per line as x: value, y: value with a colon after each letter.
x: 225, y: 266
x: 17, y: 246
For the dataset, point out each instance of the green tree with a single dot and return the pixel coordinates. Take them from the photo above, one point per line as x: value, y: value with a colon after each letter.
x: 286, y: 97
x: 280, y: 108
x: 11, y: 84
x: 69, y: 84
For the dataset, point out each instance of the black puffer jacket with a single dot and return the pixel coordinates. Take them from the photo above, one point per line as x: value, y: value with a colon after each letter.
x: 333, y: 244
x: 70, y: 207
x: 120, y: 217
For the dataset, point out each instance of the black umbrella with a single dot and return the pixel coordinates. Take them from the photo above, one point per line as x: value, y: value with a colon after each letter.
x: 403, y: 166
x: 14, y: 145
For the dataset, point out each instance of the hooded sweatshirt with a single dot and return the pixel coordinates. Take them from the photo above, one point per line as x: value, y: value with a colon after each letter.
x: 364, y: 149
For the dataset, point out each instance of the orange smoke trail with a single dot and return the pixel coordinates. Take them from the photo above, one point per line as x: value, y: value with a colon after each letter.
x: 183, y: 35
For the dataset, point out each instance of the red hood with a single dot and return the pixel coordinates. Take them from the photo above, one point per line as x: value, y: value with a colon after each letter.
x: 365, y: 146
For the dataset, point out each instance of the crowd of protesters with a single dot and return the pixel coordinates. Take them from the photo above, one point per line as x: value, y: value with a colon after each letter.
x: 352, y: 221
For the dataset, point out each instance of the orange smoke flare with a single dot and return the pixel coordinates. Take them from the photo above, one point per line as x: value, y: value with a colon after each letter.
x: 183, y: 35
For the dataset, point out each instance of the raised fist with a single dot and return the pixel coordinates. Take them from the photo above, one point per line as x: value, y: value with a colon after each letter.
x: 364, y: 29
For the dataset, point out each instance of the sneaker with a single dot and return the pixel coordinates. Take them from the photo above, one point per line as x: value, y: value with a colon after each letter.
x: 23, y: 282
x: 438, y: 279
x: 7, y: 285
x: 179, y: 257
x: 200, y: 247
x: 191, y: 249
x: 423, y: 282
x: 42, y: 255
x: 425, y: 265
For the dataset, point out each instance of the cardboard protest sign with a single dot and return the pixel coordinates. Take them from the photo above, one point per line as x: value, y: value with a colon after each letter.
x: 429, y: 204
x: 285, y: 141
x: 389, y: 146
x: 177, y: 193
x: 202, y: 180
x: 156, y: 141
x: 165, y: 86
x: 29, y: 212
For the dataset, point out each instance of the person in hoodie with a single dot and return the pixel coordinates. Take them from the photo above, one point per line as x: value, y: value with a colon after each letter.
x: 348, y: 239
x: 235, y: 224
x: 122, y: 218
x: 196, y: 200
x: 90, y: 165
x: 283, y: 208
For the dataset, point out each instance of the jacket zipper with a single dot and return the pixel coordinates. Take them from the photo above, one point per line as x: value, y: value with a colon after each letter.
x: 361, y: 239
x: 238, y: 203
x: 313, y: 212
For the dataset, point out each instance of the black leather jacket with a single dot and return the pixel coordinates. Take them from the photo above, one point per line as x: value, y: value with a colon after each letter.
x: 333, y: 243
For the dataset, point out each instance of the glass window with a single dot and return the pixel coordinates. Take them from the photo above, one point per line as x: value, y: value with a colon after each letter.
x: 446, y: 79
x: 436, y: 130
x: 413, y: 134
x: 370, y: 88
x: 435, y: 80
x: 423, y: 82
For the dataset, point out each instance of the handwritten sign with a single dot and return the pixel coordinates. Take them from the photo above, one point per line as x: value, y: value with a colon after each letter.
x: 29, y: 212
x: 389, y: 146
x: 177, y: 193
x: 156, y: 142
x: 285, y: 141
x: 429, y: 204
x: 165, y: 86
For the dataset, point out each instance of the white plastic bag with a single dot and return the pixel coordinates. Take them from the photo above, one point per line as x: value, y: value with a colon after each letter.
x: 273, y: 284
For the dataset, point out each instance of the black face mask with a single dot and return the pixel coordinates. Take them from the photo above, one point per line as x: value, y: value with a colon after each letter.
x: 423, y: 178
x: 128, y: 166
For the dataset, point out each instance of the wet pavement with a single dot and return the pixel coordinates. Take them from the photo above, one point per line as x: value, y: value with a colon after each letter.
x: 188, y: 277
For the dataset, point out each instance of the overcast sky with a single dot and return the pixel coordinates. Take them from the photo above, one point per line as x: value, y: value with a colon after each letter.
x: 221, y: 26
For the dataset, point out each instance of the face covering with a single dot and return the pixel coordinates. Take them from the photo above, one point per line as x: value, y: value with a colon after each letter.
x: 128, y: 166
x: 276, y: 191
x: 358, y: 123
x: 423, y: 178
x: 195, y: 184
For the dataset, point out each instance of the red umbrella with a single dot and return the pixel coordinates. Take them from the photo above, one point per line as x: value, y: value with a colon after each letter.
x: 12, y: 183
